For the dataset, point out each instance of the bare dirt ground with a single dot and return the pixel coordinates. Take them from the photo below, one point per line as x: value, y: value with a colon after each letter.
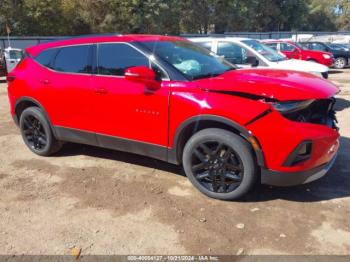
x: 109, y: 202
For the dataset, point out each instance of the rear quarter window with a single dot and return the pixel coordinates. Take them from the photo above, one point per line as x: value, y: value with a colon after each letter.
x: 45, y: 58
x: 73, y: 59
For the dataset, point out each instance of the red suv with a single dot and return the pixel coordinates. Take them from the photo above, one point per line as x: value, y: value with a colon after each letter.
x: 295, y: 51
x: 167, y: 98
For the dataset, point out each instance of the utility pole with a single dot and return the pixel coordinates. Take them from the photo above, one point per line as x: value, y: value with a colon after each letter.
x: 8, y: 31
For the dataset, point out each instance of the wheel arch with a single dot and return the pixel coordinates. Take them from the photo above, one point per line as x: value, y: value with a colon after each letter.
x: 194, y: 124
x: 25, y: 102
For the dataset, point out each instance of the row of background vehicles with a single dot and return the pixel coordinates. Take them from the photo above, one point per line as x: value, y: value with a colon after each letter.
x: 168, y: 98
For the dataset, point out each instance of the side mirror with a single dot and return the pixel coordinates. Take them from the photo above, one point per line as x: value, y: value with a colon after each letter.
x: 252, y: 61
x: 143, y: 75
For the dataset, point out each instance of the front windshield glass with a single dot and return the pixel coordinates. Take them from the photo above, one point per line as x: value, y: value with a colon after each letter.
x: 15, y: 54
x: 269, y: 53
x: 192, y: 60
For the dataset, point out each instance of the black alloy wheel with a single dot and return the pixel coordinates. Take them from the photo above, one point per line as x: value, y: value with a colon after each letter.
x: 217, y: 167
x: 220, y: 163
x: 34, y: 133
x: 37, y: 133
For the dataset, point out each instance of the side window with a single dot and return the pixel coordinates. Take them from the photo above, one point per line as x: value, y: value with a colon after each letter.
x: 232, y: 52
x: 45, y: 57
x: 206, y: 45
x: 114, y: 59
x: 73, y: 59
x: 271, y: 45
x: 317, y: 46
x: 286, y: 47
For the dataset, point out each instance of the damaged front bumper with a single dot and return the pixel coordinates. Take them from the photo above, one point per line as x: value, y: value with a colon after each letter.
x: 277, y: 178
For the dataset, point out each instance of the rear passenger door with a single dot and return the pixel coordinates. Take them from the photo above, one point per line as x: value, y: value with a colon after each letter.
x: 67, y: 88
x: 127, y: 112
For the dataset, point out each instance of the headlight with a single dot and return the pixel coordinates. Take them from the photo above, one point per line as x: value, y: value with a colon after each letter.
x: 291, y: 106
x: 325, y: 56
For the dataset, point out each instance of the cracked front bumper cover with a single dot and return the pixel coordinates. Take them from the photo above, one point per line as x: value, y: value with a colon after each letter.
x: 275, y: 178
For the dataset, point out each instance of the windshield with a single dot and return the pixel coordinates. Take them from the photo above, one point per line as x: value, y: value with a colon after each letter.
x: 15, y: 54
x: 298, y: 45
x: 269, y: 53
x: 190, y: 59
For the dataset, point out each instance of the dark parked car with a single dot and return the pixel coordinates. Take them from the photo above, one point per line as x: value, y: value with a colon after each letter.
x: 342, y: 57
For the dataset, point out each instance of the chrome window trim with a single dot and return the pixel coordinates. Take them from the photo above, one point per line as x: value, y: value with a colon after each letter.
x: 60, y: 72
x: 97, y: 44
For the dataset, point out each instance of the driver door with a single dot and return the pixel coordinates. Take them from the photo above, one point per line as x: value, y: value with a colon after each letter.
x: 129, y: 116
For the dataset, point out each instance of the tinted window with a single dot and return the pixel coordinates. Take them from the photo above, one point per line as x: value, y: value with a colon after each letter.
x: 114, y: 59
x: 317, y: 46
x: 286, y: 47
x: 206, y: 45
x: 232, y: 52
x: 272, y: 45
x: 73, y: 59
x: 264, y: 50
x: 45, y: 57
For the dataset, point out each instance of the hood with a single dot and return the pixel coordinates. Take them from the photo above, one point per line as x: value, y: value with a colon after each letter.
x: 300, y: 65
x: 281, y: 85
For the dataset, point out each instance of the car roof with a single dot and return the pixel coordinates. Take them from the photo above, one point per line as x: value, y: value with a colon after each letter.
x: 88, y: 39
x: 221, y: 38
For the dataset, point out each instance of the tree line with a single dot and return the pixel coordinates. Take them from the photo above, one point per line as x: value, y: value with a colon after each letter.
x: 74, y: 17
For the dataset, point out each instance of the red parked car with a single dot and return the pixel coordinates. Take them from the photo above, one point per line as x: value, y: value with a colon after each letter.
x: 167, y: 98
x: 295, y: 51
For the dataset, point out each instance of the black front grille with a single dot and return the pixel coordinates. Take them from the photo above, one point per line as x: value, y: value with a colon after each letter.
x: 318, y: 112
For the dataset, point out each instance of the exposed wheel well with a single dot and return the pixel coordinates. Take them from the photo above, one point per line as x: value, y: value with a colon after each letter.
x: 193, y: 128
x: 21, y: 106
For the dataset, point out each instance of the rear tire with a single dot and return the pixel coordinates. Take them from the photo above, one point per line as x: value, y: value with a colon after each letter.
x: 220, y: 164
x: 36, y: 132
x: 340, y: 63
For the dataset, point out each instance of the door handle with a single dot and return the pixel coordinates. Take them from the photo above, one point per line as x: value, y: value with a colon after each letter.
x: 45, y: 81
x: 101, y: 91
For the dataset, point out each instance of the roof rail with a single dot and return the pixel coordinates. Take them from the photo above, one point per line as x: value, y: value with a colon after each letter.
x: 92, y: 35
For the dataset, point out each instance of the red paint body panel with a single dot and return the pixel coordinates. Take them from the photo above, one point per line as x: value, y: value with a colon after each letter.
x: 116, y: 106
x: 304, y: 54
x: 282, y: 85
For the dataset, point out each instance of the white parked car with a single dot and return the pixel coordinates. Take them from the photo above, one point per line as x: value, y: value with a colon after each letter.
x: 245, y: 53
x: 12, y: 57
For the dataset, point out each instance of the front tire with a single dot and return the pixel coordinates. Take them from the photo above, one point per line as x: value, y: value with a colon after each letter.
x: 220, y: 164
x: 36, y: 132
x: 340, y: 63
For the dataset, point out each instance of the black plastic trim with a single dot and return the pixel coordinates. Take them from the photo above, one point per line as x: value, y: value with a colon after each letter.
x: 34, y: 101
x: 111, y: 142
x: 173, y: 152
x: 294, y: 158
x: 277, y: 178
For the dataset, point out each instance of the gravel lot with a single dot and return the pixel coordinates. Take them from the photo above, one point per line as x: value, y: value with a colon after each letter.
x: 109, y: 202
